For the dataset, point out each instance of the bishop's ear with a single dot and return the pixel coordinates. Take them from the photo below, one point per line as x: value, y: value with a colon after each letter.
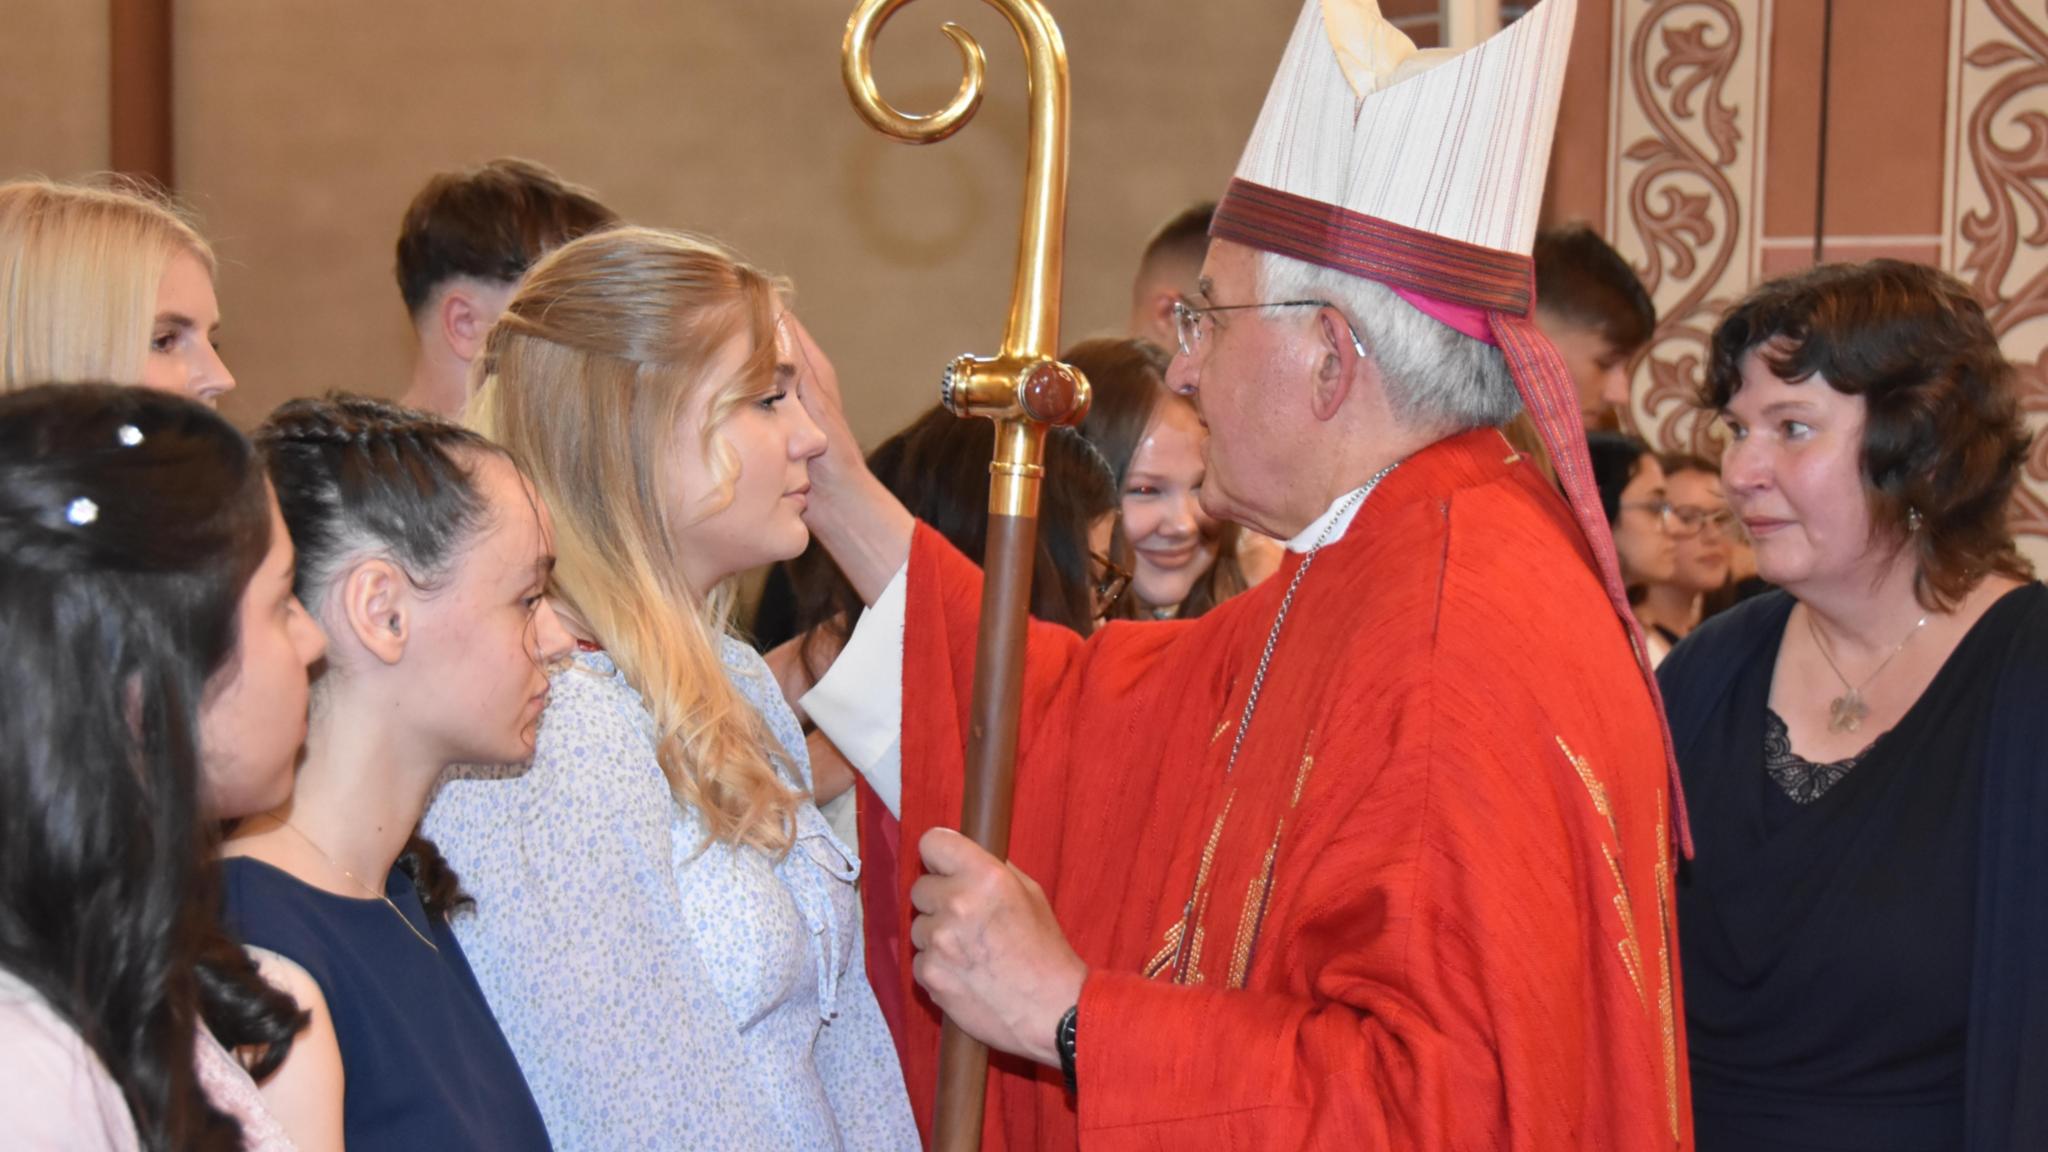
x: 1341, y: 362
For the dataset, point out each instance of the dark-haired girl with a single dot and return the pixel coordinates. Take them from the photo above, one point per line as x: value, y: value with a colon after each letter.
x: 1866, y: 751
x: 1633, y: 494
x: 154, y: 669
x: 425, y: 555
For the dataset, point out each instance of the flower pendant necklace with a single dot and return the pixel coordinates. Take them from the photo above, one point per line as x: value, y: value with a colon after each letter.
x: 1847, y: 712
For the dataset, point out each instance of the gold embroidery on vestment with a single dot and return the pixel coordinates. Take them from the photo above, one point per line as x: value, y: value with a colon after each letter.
x: 1666, y: 1009
x: 1254, y: 914
x: 1631, y: 952
x: 1593, y: 786
x: 1163, y: 959
x: 1187, y: 930
x: 1627, y: 947
x: 1308, y: 764
x: 1257, y: 894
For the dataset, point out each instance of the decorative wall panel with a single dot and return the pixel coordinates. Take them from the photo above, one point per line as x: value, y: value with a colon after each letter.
x: 1685, y: 169
x: 1997, y: 204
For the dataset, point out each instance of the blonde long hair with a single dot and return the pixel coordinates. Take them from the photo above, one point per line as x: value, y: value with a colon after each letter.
x: 584, y: 380
x: 79, y: 270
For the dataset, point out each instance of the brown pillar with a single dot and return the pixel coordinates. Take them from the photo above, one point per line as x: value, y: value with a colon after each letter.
x: 139, y: 89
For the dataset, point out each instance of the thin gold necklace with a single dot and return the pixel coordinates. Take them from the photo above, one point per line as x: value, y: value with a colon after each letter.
x: 1847, y: 711
x: 402, y: 919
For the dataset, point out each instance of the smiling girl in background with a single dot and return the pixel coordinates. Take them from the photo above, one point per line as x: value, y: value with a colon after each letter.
x: 1182, y: 562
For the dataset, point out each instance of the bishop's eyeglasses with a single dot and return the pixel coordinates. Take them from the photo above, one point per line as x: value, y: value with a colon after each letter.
x: 1187, y: 320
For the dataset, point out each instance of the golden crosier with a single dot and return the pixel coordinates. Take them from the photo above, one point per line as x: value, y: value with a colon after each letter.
x: 1024, y: 387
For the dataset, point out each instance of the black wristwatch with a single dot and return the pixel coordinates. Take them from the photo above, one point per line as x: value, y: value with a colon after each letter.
x: 1063, y: 1041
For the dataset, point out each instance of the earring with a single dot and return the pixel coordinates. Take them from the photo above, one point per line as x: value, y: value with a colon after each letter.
x: 1912, y: 521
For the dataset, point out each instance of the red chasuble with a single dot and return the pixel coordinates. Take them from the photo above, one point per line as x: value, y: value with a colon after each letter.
x: 1430, y: 907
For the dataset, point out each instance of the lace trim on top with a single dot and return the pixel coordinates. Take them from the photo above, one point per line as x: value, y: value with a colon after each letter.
x: 1801, y: 779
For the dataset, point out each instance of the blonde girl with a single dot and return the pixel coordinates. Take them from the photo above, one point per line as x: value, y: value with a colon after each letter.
x: 665, y: 925
x: 109, y: 284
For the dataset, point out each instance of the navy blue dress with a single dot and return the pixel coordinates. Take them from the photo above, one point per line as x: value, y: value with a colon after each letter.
x: 1865, y: 970
x: 427, y: 1067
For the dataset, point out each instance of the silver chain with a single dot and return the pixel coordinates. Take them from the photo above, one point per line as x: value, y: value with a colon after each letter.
x: 1251, y: 703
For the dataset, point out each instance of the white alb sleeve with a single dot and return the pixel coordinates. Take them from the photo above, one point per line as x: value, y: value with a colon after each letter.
x: 858, y: 703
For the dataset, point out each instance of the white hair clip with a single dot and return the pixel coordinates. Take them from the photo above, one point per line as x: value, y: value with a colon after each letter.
x: 129, y: 435
x: 81, y: 511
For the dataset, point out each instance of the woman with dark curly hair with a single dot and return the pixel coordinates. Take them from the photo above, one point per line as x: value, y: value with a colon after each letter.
x: 154, y: 670
x: 426, y: 555
x: 1864, y: 945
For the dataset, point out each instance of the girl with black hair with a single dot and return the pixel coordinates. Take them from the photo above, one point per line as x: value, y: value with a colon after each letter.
x: 1646, y: 529
x: 425, y: 554
x: 155, y: 677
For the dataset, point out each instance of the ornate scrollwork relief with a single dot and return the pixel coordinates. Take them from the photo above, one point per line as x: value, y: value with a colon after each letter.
x: 2000, y: 238
x: 1686, y: 155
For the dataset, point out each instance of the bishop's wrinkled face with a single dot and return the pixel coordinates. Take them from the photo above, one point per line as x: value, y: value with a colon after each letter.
x: 1248, y: 372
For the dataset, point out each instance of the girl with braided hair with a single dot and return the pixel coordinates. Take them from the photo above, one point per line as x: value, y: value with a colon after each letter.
x: 425, y: 554
x: 155, y: 676
x: 665, y: 924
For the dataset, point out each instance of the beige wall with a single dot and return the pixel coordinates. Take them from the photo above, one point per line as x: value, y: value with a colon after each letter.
x: 303, y: 129
x: 53, y: 87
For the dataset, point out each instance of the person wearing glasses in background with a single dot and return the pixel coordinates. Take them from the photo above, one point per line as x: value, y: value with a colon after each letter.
x: 1703, y: 529
x: 1633, y: 493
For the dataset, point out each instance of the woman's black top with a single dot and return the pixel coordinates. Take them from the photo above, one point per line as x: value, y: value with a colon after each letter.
x: 1829, y: 920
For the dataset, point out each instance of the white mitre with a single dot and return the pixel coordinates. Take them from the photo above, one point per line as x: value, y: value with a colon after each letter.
x: 1450, y: 143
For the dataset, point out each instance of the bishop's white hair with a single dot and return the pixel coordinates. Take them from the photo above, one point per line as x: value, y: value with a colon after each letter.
x: 1437, y: 378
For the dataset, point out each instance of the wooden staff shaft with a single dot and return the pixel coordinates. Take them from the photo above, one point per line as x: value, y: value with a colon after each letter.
x: 988, y: 787
x: 1024, y: 390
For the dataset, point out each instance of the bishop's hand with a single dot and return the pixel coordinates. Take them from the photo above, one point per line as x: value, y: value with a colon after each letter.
x: 989, y: 951
x: 859, y: 521
x: 818, y: 387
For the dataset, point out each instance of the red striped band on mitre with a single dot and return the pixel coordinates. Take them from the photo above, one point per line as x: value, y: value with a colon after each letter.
x: 1403, y: 258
